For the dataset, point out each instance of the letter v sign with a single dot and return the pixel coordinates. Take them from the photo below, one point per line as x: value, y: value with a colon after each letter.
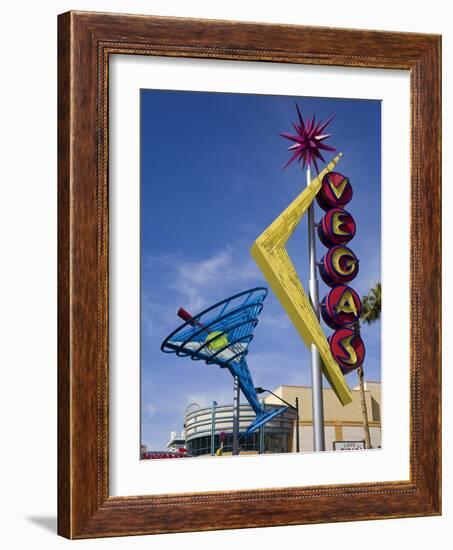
x: 338, y: 189
x: 270, y: 254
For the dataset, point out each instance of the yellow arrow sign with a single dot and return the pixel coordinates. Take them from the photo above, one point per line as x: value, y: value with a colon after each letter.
x: 270, y: 254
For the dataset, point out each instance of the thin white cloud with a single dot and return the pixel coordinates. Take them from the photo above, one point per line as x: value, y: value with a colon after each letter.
x: 279, y: 321
x: 205, y: 398
x: 156, y: 316
x: 150, y: 409
x: 147, y: 310
x: 211, y: 278
x: 369, y: 273
x: 204, y: 281
x: 270, y: 369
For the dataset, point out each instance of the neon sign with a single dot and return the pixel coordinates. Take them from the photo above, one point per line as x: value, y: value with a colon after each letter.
x: 335, y: 192
x: 341, y: 307
x: 336, y: 227
x: 270, y: 254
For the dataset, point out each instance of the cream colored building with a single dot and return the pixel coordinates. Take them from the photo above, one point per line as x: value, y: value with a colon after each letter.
x: 279, y: 435
x: 341, y: 423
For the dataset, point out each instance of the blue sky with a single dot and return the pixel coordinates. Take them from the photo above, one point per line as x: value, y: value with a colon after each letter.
x: 211, y: 182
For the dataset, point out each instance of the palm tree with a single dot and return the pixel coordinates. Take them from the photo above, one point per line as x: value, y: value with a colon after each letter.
x: 371, y: 305
x: 371, y: 312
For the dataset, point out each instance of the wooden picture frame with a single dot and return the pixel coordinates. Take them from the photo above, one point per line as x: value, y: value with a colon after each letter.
x: 85, y: 41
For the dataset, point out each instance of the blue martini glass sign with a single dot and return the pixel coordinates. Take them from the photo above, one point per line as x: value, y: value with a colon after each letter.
x: 220, y: 335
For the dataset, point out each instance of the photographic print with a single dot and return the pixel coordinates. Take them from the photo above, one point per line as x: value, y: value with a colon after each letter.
x: 260, y: 274
x: 221, y: 254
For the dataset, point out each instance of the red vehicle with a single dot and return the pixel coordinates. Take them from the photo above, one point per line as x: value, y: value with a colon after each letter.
x: 180, y: 453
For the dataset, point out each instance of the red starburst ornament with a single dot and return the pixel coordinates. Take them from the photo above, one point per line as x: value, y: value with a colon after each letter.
x: 308, y: 141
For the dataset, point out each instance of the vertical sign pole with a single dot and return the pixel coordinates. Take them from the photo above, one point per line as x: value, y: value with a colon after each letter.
x: 316, y: 372
x: 261, y: 433
x: 236, y: 416
x: 297, y: 426
x: 214, y: 403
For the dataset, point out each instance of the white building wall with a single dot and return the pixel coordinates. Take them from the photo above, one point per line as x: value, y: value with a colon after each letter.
x: 306, y: 439
x: 329, y: 435
x: 375, y: 434
x: 353, y: 433
x: 357, y: 434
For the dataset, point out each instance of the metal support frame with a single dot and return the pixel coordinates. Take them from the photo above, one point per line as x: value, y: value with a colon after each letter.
x: 213, y: 410
x: 294, y: 407
x: 236, y: 391
x: 297, y: 426
x: 316, y: 365
x: 261, y: 434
